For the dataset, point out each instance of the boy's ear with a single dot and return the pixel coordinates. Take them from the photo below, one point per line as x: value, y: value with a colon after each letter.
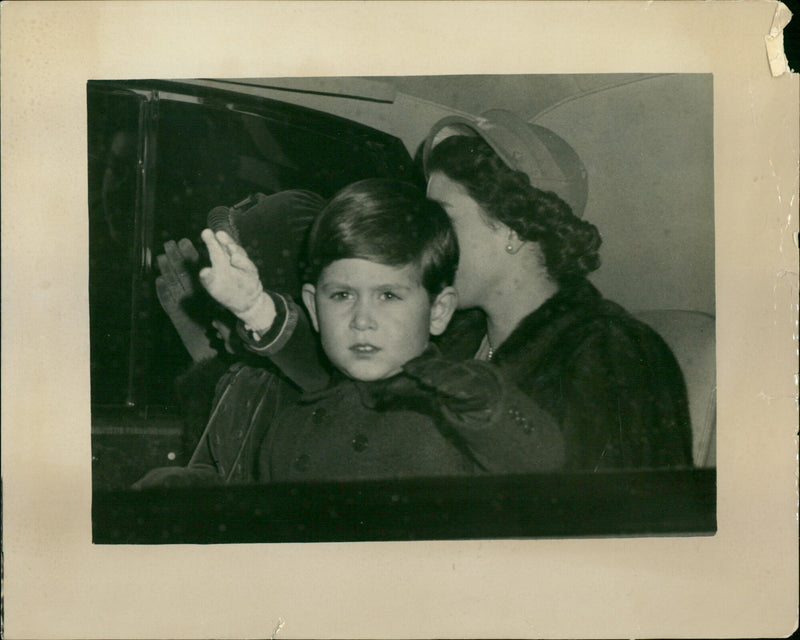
x: 310, y: 300
x: 442, y: 310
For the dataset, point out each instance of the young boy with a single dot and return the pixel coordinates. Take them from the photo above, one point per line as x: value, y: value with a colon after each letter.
x: 381, y: 263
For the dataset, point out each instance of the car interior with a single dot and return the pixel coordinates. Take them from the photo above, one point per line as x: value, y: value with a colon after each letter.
x: 163, y: 153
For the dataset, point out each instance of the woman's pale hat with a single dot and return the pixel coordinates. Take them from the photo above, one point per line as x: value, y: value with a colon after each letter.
x: 547, y: 159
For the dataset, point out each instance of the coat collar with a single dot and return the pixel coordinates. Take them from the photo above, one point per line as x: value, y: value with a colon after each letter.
x: 569, y: 302
x: 371, y: 392
x: 463, y: 338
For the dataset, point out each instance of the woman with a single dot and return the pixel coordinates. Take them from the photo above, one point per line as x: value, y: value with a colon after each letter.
x: 611, y: 382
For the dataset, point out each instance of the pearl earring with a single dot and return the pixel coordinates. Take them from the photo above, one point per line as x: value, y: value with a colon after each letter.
x: 509, y: 248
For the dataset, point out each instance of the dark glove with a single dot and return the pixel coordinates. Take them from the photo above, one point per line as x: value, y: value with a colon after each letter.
x: 465, y: 387
x: 182, y: 298
x: 468, y: 391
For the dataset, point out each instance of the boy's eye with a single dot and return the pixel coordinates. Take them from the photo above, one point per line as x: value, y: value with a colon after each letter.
x: 389, y: 295
x: 340, y: 295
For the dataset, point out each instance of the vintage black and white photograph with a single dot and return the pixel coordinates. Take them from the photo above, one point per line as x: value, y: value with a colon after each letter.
x: 402, y: 308
x: 398, y: 320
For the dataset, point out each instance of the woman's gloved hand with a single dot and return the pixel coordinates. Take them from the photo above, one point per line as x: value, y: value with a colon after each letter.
x: 468, y: 388
x: 182, y: 299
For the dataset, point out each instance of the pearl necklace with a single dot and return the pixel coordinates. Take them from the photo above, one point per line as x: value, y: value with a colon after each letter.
x: 485, y: 351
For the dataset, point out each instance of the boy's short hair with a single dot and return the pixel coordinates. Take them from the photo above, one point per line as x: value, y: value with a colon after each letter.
x: 389, y: 222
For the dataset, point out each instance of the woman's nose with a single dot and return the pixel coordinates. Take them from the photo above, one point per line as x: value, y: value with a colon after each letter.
x: 363, y: 317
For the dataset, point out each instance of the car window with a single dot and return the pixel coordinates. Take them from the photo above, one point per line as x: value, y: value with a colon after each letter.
x: 195, y: 151
x: 113, y: 152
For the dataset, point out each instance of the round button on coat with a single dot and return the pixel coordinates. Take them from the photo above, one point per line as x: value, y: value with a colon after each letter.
x: 302, y: 463
x: 359, y: 442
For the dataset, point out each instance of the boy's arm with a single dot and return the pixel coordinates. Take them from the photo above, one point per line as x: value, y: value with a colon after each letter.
x: 291, y: 344
x: 270, y: 324
x: 504, y: 429
x: 232, y: 280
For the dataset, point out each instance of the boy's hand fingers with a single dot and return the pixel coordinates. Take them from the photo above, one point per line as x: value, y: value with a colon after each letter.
x: 225, y: 241
x: 238, y: 256
x: 224, y: 237
x: 206, y: 276
x: 241, y: 260
x: 216, y: 253
x: 232, y: 280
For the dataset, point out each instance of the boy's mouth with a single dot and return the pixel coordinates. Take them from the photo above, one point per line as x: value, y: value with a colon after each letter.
x: 363, y: 349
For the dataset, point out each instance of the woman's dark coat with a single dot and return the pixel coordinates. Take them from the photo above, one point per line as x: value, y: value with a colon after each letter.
x: 610, y: 381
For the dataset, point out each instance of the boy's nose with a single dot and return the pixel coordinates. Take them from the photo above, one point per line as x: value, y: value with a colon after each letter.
x: 363, y: 318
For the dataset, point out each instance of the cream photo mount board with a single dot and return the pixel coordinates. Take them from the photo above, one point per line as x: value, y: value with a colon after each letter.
x: 741, y: 582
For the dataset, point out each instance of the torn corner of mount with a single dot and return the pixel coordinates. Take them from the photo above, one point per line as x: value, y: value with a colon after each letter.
x: 778, y: 64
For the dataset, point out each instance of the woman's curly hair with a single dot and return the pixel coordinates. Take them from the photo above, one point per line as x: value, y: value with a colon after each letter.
x: 569, y: 245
